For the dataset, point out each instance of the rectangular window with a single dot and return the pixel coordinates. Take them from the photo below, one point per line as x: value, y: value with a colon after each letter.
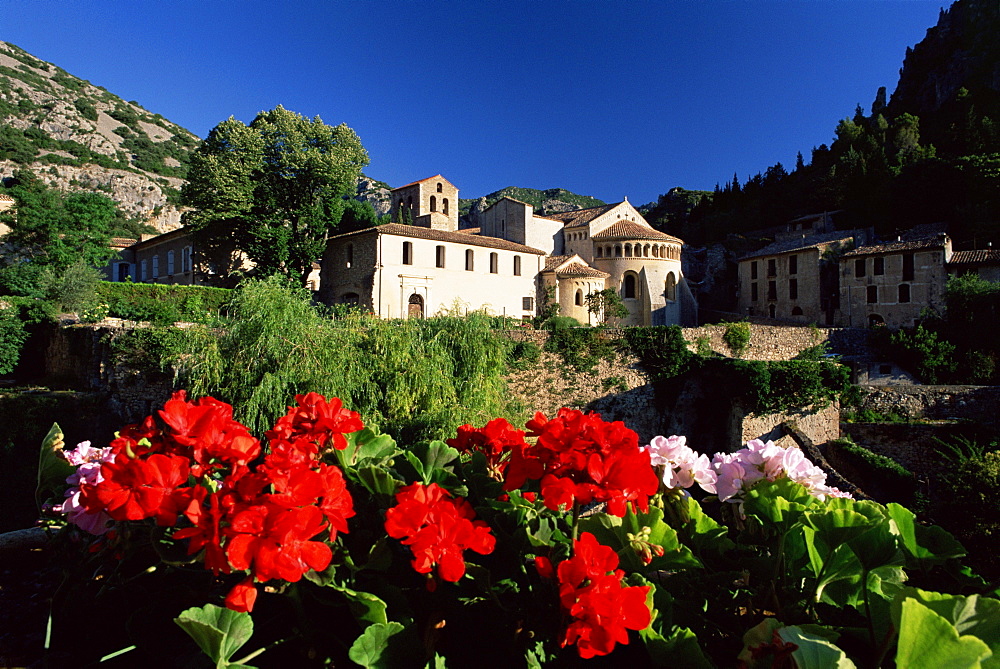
x: 517, y: 265
x: 753, y: 292
x: 528, y: 303
x: 753, y: 270
x: 904, y: 292
x: 349, y: 256
x: 469, y: 260
x: 793, y: 289
x: 859, y: 267
x: 793, y: 264
x: 170, y: 263
x: 494, y: 263
x: 872, y: 294
x: 772, y: 267
x: 156, y: 267
x: 878, y: 266
x: 186, y: 259
x: 439, y: 257
x: 407, y: 253
x: 907, y: 267
x: 143, y: 275
x: 772, y: 290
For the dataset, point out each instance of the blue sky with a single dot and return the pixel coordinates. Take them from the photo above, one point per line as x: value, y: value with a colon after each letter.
x: 608, y: 99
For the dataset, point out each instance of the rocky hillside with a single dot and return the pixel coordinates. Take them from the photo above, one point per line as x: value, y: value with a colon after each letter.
x: 78, y: 136
x: 544, y: 201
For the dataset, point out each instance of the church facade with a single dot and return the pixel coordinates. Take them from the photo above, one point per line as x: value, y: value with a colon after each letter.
x: 513, y: 265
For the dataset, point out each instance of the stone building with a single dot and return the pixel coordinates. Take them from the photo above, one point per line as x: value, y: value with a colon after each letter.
x: 794, y: 279
x: 511, y: 265
x: 890, y: 283
x: 984, y: 263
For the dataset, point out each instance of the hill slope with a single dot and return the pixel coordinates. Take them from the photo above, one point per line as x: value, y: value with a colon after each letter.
x: 544, y: 201
x: 78, y: 136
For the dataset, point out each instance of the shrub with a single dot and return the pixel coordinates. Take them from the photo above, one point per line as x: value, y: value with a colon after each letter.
x: 12, y: 338
x: 776, y: 386
x: 923, y: 351
x: 662, y: 349
x: 524, y: 354
x: 737, y: 337
x: 881, y: 476
x: 163, y: 304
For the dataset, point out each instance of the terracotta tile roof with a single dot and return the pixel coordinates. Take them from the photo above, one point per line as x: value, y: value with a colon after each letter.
x: 444, y: 236
x: 470, y: 231
x: 122, y: 242
x: 633, y: 230
x: 812, y: 241
x: 6, y: 198
x: 981, y: 256
x: 554, y: 261
x: 159, y: 239
x: 576, y: 269
x: 436, y: 176
x: 896, y: 247
x: 572, y: 219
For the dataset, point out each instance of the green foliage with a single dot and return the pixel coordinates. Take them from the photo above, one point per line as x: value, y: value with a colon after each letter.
x: 163, y: 304
x: 776, y: 386
x: 737, y: 337
x: 523, y: 355
x: 581, y: 348
x: 273, y: 189
x: 151, y: 351
x: 662, y: 349
x: 421, y: 378
x: 877, y: 471
x: 607, y: 305
x: 56, y: 229
x: 922, y: 350
x: 219, y: 633
x: 536, y: 198
x: 73, y: 290
x: 12, y: 338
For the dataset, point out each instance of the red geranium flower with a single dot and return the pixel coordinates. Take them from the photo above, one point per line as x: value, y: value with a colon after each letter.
x: 318, y: 420
x: 276, y: 543
x: 601, y: 611
x: 495, y: 440
x: 134, y: 489
x: 582, y: 459
x: 437, y: 528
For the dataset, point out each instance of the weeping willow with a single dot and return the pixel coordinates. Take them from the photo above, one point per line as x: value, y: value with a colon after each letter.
x: 415, y: 379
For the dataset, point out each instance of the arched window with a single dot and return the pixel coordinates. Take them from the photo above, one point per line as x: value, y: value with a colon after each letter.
x: 656, y: 251
x: 796, y: 311
x: 628, y: 250
x: 629, y: 287
x: 618, y: 250
x: 517, y: 265
x: 349, y: 255
x: 494, y: 263
x: 469, y: 258
x: 350, y: 298
x: 439, y: 256
x: 440, y: 188
x: 671, y: 288
x: 407, y: 253
x: 600, y: 251
x: 645, y: 251
x: 434, y: 203
x: 444, y: 206
x: 578, y: 300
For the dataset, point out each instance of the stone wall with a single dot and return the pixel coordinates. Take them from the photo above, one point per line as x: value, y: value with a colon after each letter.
x: 820, y: 425
x: 977, y: 404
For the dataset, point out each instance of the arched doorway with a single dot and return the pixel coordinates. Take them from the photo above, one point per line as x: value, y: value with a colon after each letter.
x: 415, y: 307
x: 875, y: 321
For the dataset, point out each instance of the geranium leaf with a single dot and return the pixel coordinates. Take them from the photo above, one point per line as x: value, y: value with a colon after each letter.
x: 928, y: 641
x: 814, y: 651
x: 371, y: 649
x: 678, y: 649
x: 218, y: 631
x: 377, y: 480
x: 52, y: 468
x: 929, y: 545
x: 366, y: 608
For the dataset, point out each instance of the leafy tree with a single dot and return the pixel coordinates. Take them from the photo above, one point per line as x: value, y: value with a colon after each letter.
x: 607, y: 305
x: 272, y: 191
x: 50, y: 229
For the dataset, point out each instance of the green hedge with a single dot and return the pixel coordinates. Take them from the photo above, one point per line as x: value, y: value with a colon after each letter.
x: 881, y: 474
x: 163, y: 304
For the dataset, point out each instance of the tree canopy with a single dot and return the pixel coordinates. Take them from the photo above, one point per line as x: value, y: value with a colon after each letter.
x: 270, y: 192
x: 51, y: 229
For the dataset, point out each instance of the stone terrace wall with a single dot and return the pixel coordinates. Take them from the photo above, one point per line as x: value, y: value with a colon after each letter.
x: 977, y: 404
x: 767, y: 342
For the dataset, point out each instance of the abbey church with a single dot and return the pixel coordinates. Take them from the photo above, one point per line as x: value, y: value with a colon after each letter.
x: 512, y: 266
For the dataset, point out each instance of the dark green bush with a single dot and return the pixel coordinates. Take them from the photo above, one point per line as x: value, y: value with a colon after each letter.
x: 662, y: 349
x: 737, y: 337
x: 12, y: 337
x: 880, y: 476
x: 776, y: 386
x: 581, y: 348
x: 523, y: 354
